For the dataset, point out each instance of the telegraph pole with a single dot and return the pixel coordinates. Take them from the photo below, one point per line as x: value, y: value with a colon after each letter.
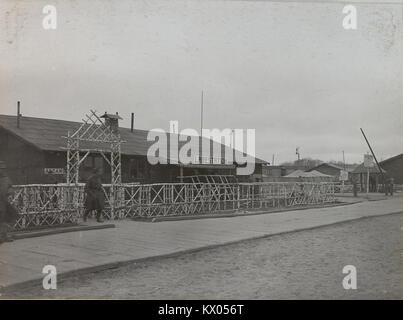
x: 201, y: 114
x: 344, y: 162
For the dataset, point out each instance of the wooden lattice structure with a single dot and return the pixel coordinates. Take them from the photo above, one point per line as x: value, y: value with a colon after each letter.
x: 211, y: 179
x: 96, y: 136
x: 199, y: 198
x: 46, y: 205
x: 49, y: 205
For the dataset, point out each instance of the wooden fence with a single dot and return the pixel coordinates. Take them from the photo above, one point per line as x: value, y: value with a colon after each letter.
x: 58, y: 204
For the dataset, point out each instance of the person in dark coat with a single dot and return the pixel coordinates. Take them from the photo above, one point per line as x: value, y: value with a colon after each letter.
x: 94, y: 196
x: 8, y: 214
x: 391, y: 186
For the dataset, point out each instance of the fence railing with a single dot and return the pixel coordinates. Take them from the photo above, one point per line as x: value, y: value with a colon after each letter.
x: 349, y: 188
x: 57, y: 204
x: 46, y: 205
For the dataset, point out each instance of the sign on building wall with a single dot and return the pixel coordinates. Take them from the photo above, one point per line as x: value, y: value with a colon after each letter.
x: 211, y: 160
x: 368, y: 161
x: 54, y: 171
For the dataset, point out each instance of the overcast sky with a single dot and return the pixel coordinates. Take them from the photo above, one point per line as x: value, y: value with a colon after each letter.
x: 287, y: 69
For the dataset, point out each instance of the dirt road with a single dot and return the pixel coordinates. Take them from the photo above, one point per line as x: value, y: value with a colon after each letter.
x: 299, y: 265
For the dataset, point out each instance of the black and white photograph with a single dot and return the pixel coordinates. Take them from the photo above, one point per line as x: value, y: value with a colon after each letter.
x: 194, y: 150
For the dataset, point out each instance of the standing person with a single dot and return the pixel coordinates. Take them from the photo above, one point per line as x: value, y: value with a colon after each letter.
x: 8, y: 214
x: 372, y: 184
x: 391, y: 182
x: 94, y: 196
x: 355, y: 188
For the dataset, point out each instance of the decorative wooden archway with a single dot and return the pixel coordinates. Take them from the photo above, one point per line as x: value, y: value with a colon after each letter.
x: 96, y: 136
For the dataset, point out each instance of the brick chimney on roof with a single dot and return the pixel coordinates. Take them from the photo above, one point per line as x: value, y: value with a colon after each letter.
x: 112, y: 121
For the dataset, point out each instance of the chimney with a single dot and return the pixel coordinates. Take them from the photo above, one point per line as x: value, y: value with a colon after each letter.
x: 18, y: 114
x: 132, y: 123
x: 112, y: 121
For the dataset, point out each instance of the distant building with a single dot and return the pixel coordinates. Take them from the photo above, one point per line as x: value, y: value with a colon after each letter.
x: 360, y: 176
x: 277, y: 173
x: 309, y: 176
x: 394, y: 168
x: 332, y: 169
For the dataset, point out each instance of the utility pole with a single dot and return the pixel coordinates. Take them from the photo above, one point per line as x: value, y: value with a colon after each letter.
x: 201, y: 114
x: 233, y: 145
x: 367, y: 180
x: 18, y: 114
x: 344, y: 168
x: 344, y: 162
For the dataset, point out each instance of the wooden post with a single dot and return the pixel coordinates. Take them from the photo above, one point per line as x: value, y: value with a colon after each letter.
x: 239, y: 196
x: 18, y: 114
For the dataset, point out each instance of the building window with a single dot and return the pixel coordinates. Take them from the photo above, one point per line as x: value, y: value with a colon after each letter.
x: 94, y: 162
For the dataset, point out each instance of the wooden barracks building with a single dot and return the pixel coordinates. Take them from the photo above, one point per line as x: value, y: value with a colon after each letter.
x: 394, y: 168
x: 34, y: 152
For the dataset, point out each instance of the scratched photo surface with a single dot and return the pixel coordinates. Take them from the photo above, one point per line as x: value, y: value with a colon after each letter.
x: 304, y: 75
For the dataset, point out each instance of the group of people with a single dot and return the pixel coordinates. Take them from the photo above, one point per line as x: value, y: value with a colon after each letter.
x: 388, y: 186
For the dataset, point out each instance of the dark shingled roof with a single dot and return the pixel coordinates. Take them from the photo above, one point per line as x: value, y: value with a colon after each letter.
x: 349, y: 167
x: 47, y: 134
x: 391, y: 159
x: 362, y: 169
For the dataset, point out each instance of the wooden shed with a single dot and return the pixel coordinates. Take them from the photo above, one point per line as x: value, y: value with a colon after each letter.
x: 359, y: 175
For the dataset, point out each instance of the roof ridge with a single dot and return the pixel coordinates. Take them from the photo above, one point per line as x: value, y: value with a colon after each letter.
x: 392, y: 158
x: 32, y: 132
x: 69, y: 121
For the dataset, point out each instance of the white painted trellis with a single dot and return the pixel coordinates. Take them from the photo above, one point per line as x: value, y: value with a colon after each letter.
x: 97, y: 137
x: 48, y: 205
